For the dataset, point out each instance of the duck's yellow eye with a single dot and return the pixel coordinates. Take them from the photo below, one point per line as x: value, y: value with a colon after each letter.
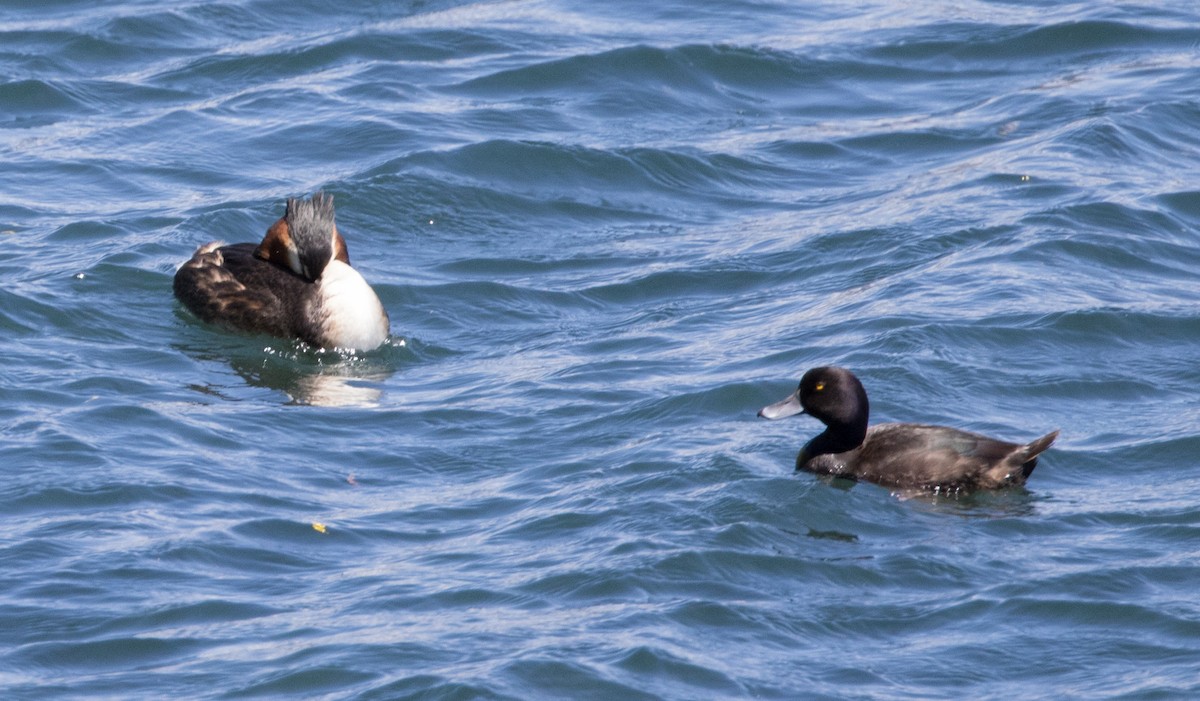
x: 820, y: 386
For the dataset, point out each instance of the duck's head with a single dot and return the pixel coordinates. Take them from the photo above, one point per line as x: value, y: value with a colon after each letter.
x: 832, y: 395
x: 305, y: 238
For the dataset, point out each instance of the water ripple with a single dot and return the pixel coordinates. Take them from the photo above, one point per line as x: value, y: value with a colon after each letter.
x: 606, y: 237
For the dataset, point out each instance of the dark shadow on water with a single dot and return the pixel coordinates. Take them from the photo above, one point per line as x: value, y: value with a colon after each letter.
x: 832, y: 535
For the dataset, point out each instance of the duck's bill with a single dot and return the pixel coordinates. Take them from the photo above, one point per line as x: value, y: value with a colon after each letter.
x: 779, y: 410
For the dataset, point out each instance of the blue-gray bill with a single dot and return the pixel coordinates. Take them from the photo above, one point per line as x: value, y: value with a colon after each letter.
x: 783, y: 409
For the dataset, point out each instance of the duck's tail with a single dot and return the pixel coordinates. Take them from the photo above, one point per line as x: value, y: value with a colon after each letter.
x: 1034, y: 449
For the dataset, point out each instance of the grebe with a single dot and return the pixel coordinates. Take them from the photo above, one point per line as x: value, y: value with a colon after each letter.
x: 897, y: 454
x: 297, y: 283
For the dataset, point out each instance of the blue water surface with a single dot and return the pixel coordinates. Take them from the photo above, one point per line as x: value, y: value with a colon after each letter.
x: 607, y: 233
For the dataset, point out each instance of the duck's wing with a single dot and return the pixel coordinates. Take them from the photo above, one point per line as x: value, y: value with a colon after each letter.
x: 914, y: 455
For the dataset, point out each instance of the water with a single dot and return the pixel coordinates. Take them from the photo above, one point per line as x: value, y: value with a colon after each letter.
x: 607, y: 234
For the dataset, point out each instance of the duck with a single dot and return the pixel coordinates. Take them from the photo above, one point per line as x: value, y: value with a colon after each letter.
x: 296, y: 283
x: 898, y: 455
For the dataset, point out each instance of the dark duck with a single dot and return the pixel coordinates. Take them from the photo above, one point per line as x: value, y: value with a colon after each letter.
x: 296, y: 283
x: 899, y: 455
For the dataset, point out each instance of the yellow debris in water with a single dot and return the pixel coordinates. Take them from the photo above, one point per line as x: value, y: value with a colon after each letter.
x: 318, y: 527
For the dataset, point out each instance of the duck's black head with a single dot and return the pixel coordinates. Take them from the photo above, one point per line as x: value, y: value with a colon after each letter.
x: 835, y: 397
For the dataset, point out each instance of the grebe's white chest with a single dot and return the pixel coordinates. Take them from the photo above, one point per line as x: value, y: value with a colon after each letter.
x: 347, y: 310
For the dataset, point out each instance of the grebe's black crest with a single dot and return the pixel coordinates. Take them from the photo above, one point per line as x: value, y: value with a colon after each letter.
x: 311, y: 225
x: 897, y: 454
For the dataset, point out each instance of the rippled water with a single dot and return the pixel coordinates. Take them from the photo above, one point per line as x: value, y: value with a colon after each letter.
x: 607, y: 234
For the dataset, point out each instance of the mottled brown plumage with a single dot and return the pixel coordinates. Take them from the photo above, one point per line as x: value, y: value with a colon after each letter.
x: 231, y: 287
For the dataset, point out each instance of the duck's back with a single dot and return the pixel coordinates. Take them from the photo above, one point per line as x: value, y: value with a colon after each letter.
x: 920, y: 456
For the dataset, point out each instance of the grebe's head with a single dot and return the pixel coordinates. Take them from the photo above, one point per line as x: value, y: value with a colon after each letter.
x: 306, y: 238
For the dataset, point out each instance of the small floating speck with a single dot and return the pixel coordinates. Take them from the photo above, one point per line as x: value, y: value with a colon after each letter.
x: 1024, y: 178
x: 431, y: 222
x: 319, y: 527
x: 79, y: 276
